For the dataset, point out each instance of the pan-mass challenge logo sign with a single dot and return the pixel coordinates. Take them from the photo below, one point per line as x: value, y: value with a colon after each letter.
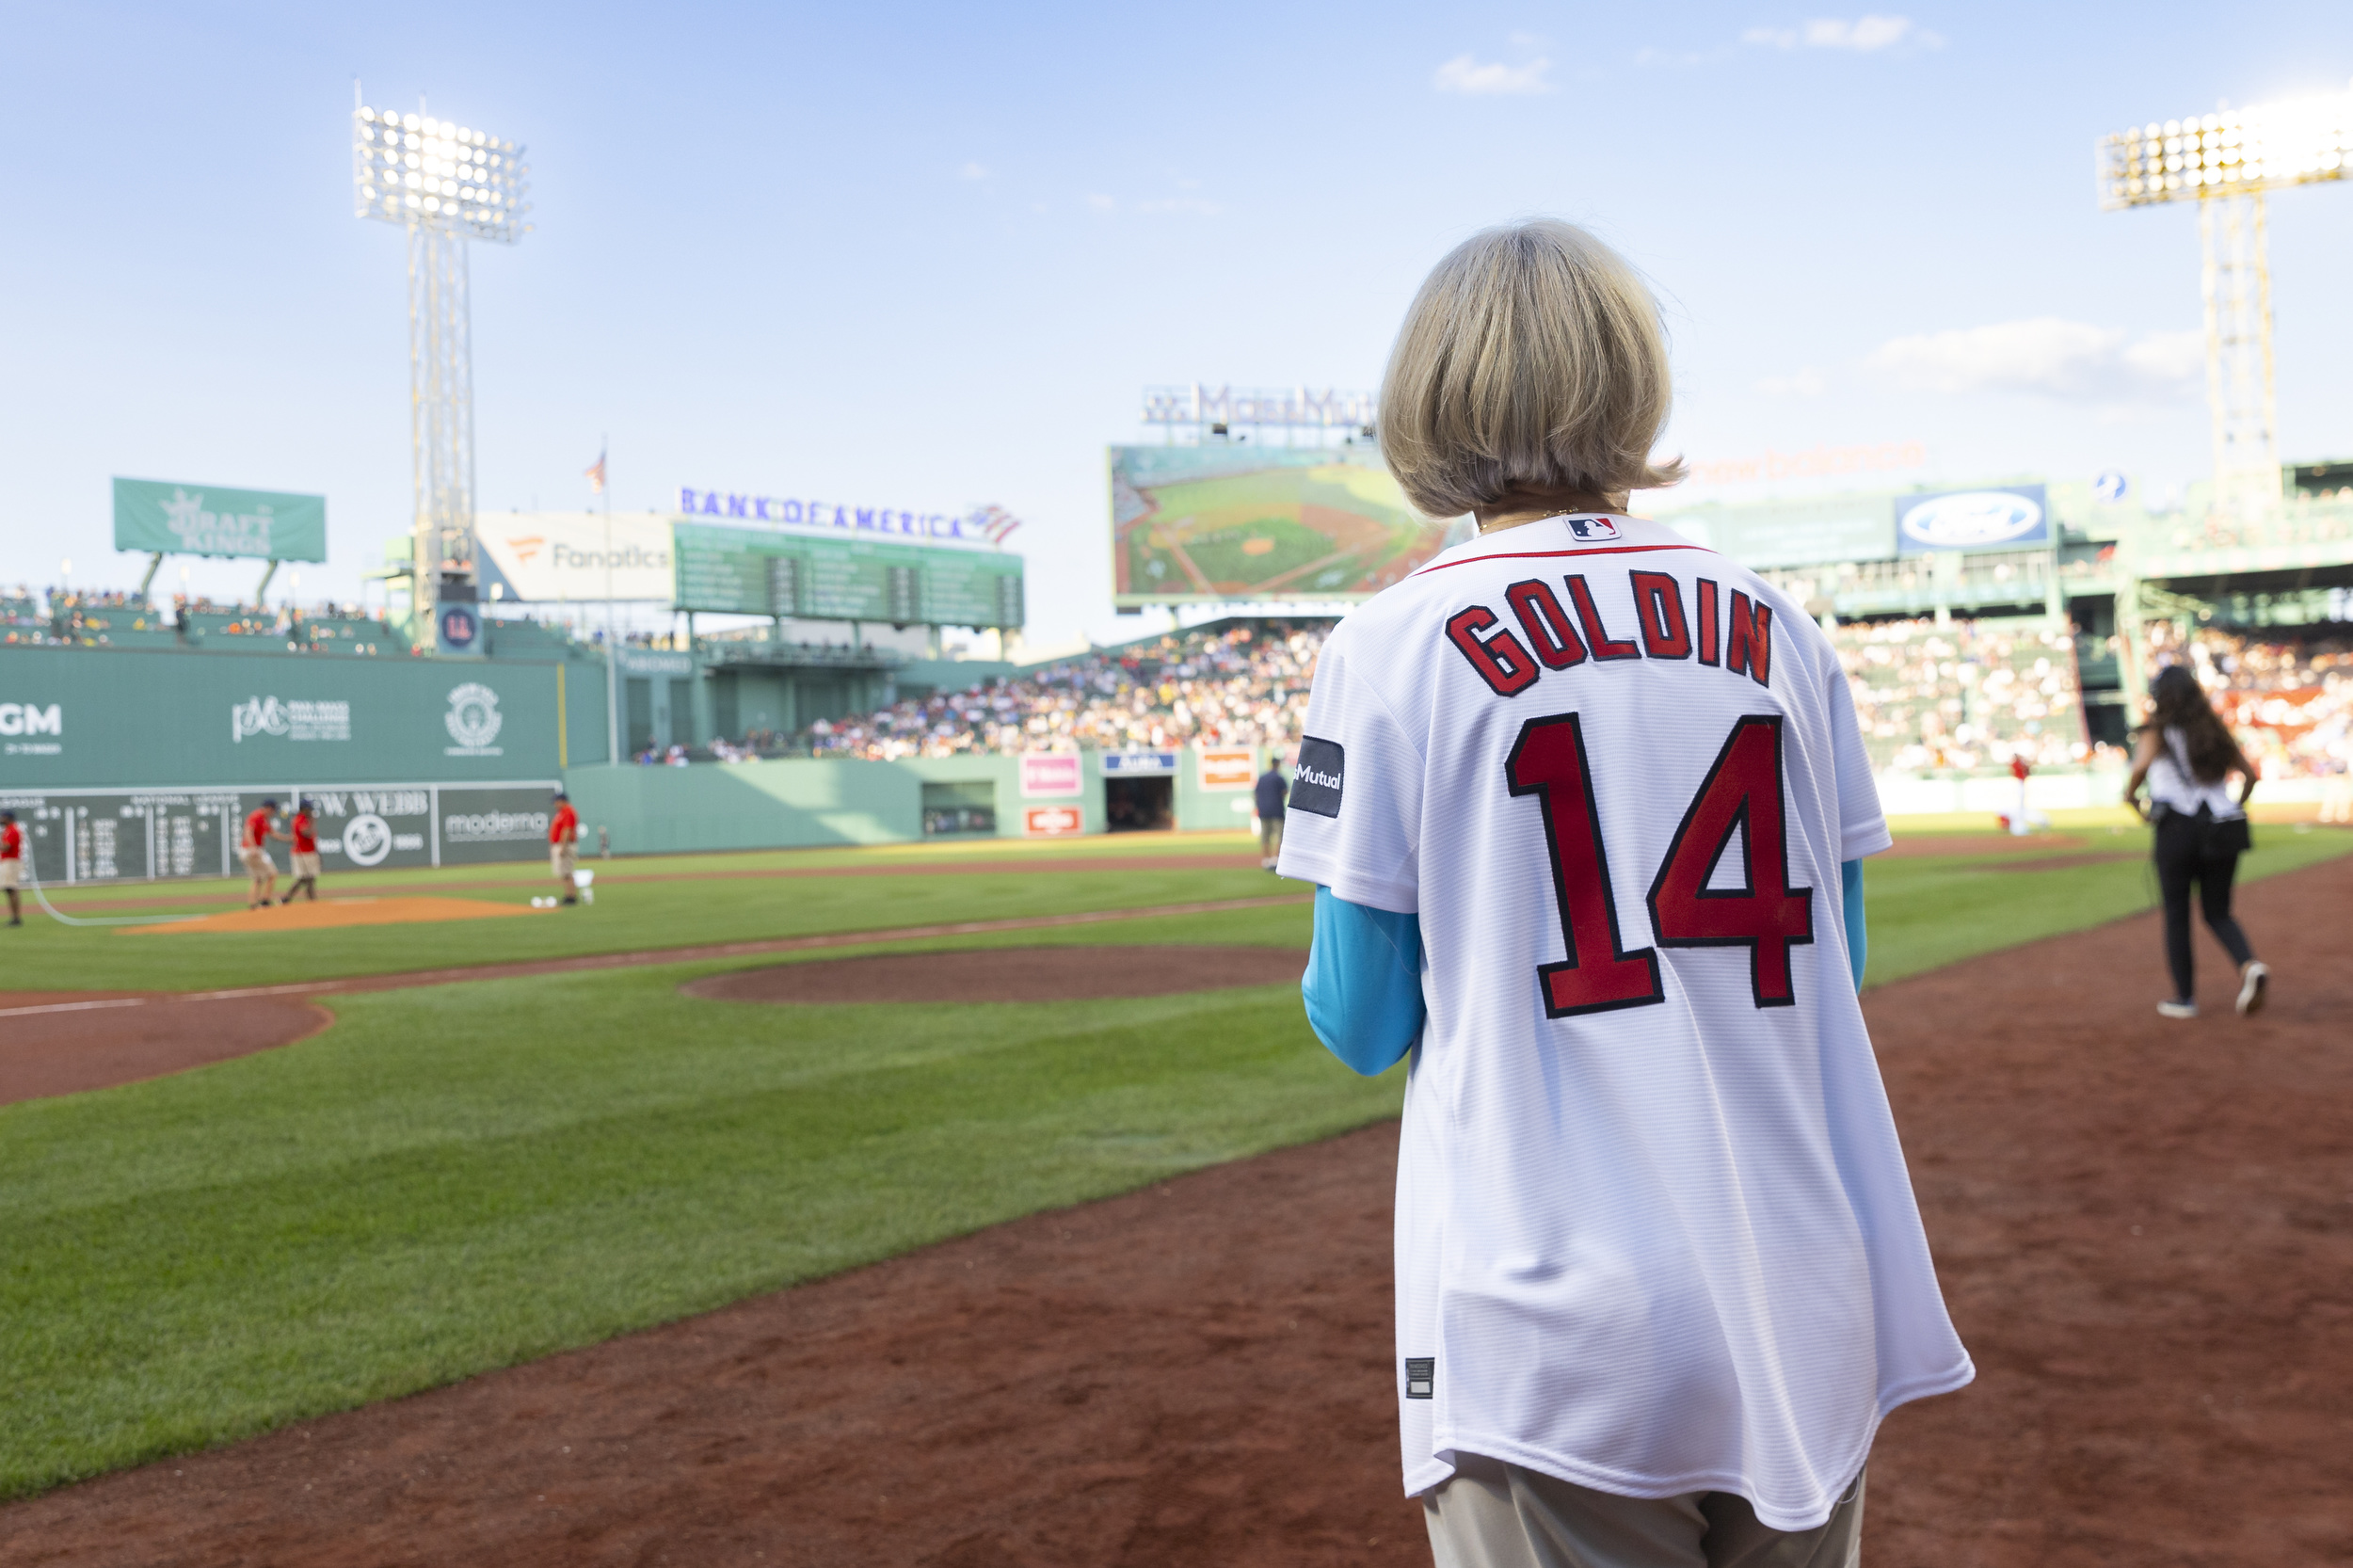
x: 299, y: 720
x: 473, y: 721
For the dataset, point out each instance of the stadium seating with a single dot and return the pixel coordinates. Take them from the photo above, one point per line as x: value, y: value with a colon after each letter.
x: 1229, y: 685
x: 1971, y: 694
x: 2289, y: 699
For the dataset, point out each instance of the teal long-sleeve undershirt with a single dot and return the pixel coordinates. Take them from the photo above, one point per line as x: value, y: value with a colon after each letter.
x: 1363, y: 985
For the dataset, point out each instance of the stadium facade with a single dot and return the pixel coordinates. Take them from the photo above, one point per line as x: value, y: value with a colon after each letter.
x: 2010, y: 619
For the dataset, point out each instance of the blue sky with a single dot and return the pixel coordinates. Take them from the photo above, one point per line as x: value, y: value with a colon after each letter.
x: 928, y: 256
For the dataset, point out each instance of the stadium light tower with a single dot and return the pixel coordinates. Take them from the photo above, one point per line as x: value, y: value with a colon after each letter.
x: 2225, y: 161
x: 446, y: 184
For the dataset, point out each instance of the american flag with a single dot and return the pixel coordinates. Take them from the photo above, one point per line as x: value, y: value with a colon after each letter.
x: 596, y: 475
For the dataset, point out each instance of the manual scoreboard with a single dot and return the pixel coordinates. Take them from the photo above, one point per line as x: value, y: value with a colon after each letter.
x: 759, y: 571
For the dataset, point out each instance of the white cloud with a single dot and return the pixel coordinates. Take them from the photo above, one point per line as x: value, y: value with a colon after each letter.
x: 1807, y: 383
x: 1467, y: 76
x: 972, y: 171
x: 2072, y: 361
x: 1101, y: 202
x: 1864, y: 34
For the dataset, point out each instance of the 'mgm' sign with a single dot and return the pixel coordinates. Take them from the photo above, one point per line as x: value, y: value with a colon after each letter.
x: 25, y: 718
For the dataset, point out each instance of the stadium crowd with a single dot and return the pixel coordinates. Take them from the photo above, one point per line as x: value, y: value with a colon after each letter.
x: 1966, y: 695
x: 1234, y: 685
x: 2290, y: 699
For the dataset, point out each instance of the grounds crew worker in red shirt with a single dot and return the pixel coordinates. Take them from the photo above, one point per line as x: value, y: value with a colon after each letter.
x: 253, y: 849
x: 564, y: 846
x: 11, y: 863
x: 306, y: 853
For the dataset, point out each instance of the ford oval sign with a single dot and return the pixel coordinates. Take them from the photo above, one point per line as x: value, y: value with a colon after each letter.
x: 1971, y: 519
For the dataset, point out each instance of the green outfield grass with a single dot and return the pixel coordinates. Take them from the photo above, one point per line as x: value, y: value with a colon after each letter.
x: 464, y: 1177
x: 1927, y: 911
x: 633, y: 910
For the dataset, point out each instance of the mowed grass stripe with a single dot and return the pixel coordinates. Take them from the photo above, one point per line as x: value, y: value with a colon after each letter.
x: 1928, y: 911
x: 625, y: 919
x: 464, y: 1177
x: 460, y: 1178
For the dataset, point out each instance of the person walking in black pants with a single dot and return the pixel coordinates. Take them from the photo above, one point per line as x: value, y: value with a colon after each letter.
x: 2186, y: 756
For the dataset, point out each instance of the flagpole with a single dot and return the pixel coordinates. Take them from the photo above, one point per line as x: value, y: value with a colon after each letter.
x: 612, y: 641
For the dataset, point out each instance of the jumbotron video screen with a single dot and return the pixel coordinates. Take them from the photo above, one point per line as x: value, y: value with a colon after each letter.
x: 1225, y: 524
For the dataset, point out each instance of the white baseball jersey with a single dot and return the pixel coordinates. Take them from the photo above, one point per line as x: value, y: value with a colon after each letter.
x: 1654, y: 1229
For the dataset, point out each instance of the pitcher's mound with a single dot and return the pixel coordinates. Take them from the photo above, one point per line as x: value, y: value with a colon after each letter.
x: 1008, y: 974
x: 307, y: 916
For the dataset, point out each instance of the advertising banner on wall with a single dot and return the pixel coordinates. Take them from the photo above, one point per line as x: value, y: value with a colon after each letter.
x: 1791, y: 532
x: 486, y: 824
x: 1053, y: 821
x: 1208, y: 524
x: 1046, y: 773
x: 2007, y: 517
x: 575, y: 557
x: 385, y: 827
x: 128, y: 719
x: 182, y: 519
x: 1228, y: 767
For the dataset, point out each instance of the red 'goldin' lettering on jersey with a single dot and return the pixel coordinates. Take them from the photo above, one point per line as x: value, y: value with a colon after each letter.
x: 1505, y: 663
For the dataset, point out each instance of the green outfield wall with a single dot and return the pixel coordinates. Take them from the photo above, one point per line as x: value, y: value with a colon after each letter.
x: 801, y: 803
x: 134, y: 718
x: 128, y: 764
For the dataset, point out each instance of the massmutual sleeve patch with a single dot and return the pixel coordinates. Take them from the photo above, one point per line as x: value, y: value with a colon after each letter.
x: 1421, y: 1377
x: 1315, y: 782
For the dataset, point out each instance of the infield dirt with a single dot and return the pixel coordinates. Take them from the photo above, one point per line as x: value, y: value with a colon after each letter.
x: 2144, y: 1227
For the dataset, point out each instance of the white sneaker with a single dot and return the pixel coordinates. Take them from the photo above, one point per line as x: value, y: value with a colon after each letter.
x: 2177, y: 1010
x: 2254, y: 981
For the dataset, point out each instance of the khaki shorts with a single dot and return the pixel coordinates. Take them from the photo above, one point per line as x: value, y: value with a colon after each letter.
x: 257, y: 862
x: 1491, y: 1514
x: 305, y: 865
x: 563, y: 860
x: 12, y: 874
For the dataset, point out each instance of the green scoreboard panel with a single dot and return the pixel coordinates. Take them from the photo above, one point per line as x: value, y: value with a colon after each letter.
x: 759, y: 571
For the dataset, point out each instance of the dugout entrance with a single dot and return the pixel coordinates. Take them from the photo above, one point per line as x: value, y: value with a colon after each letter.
x: 1147, y: 805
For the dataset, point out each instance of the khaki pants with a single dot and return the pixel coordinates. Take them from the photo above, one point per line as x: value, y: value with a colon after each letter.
x: 1491, y: 1514
x: 258, y: 864
x: 305, y: 865
x: 1270, y: 838
x: 563, y: 860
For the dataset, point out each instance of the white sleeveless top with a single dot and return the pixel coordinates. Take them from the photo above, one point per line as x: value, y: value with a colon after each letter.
x: 2173, y: 785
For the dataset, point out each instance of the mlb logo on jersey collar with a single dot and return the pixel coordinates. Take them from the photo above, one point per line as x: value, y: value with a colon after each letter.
x: 1592, y: 528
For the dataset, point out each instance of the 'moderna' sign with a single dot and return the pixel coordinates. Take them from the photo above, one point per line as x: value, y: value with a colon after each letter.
x: 28, y: 718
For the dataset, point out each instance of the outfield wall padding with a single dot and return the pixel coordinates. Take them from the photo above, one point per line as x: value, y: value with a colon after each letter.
x: 803, y: 803
x: 128, y: 718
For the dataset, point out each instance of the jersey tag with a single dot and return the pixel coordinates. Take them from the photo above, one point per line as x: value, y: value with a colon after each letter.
x: 1316, y: 782
x: 1592, y: 528
x: 1421, y: 1377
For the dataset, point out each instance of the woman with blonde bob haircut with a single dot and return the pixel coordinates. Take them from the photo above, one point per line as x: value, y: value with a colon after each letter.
x: 1586, y: 807
x: 1531, y: 366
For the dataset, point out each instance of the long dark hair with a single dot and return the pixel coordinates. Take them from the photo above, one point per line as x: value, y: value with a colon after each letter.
x: 2180, y: 704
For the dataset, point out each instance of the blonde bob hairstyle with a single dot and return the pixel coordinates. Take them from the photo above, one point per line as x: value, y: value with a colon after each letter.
x: 1531, y: 361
